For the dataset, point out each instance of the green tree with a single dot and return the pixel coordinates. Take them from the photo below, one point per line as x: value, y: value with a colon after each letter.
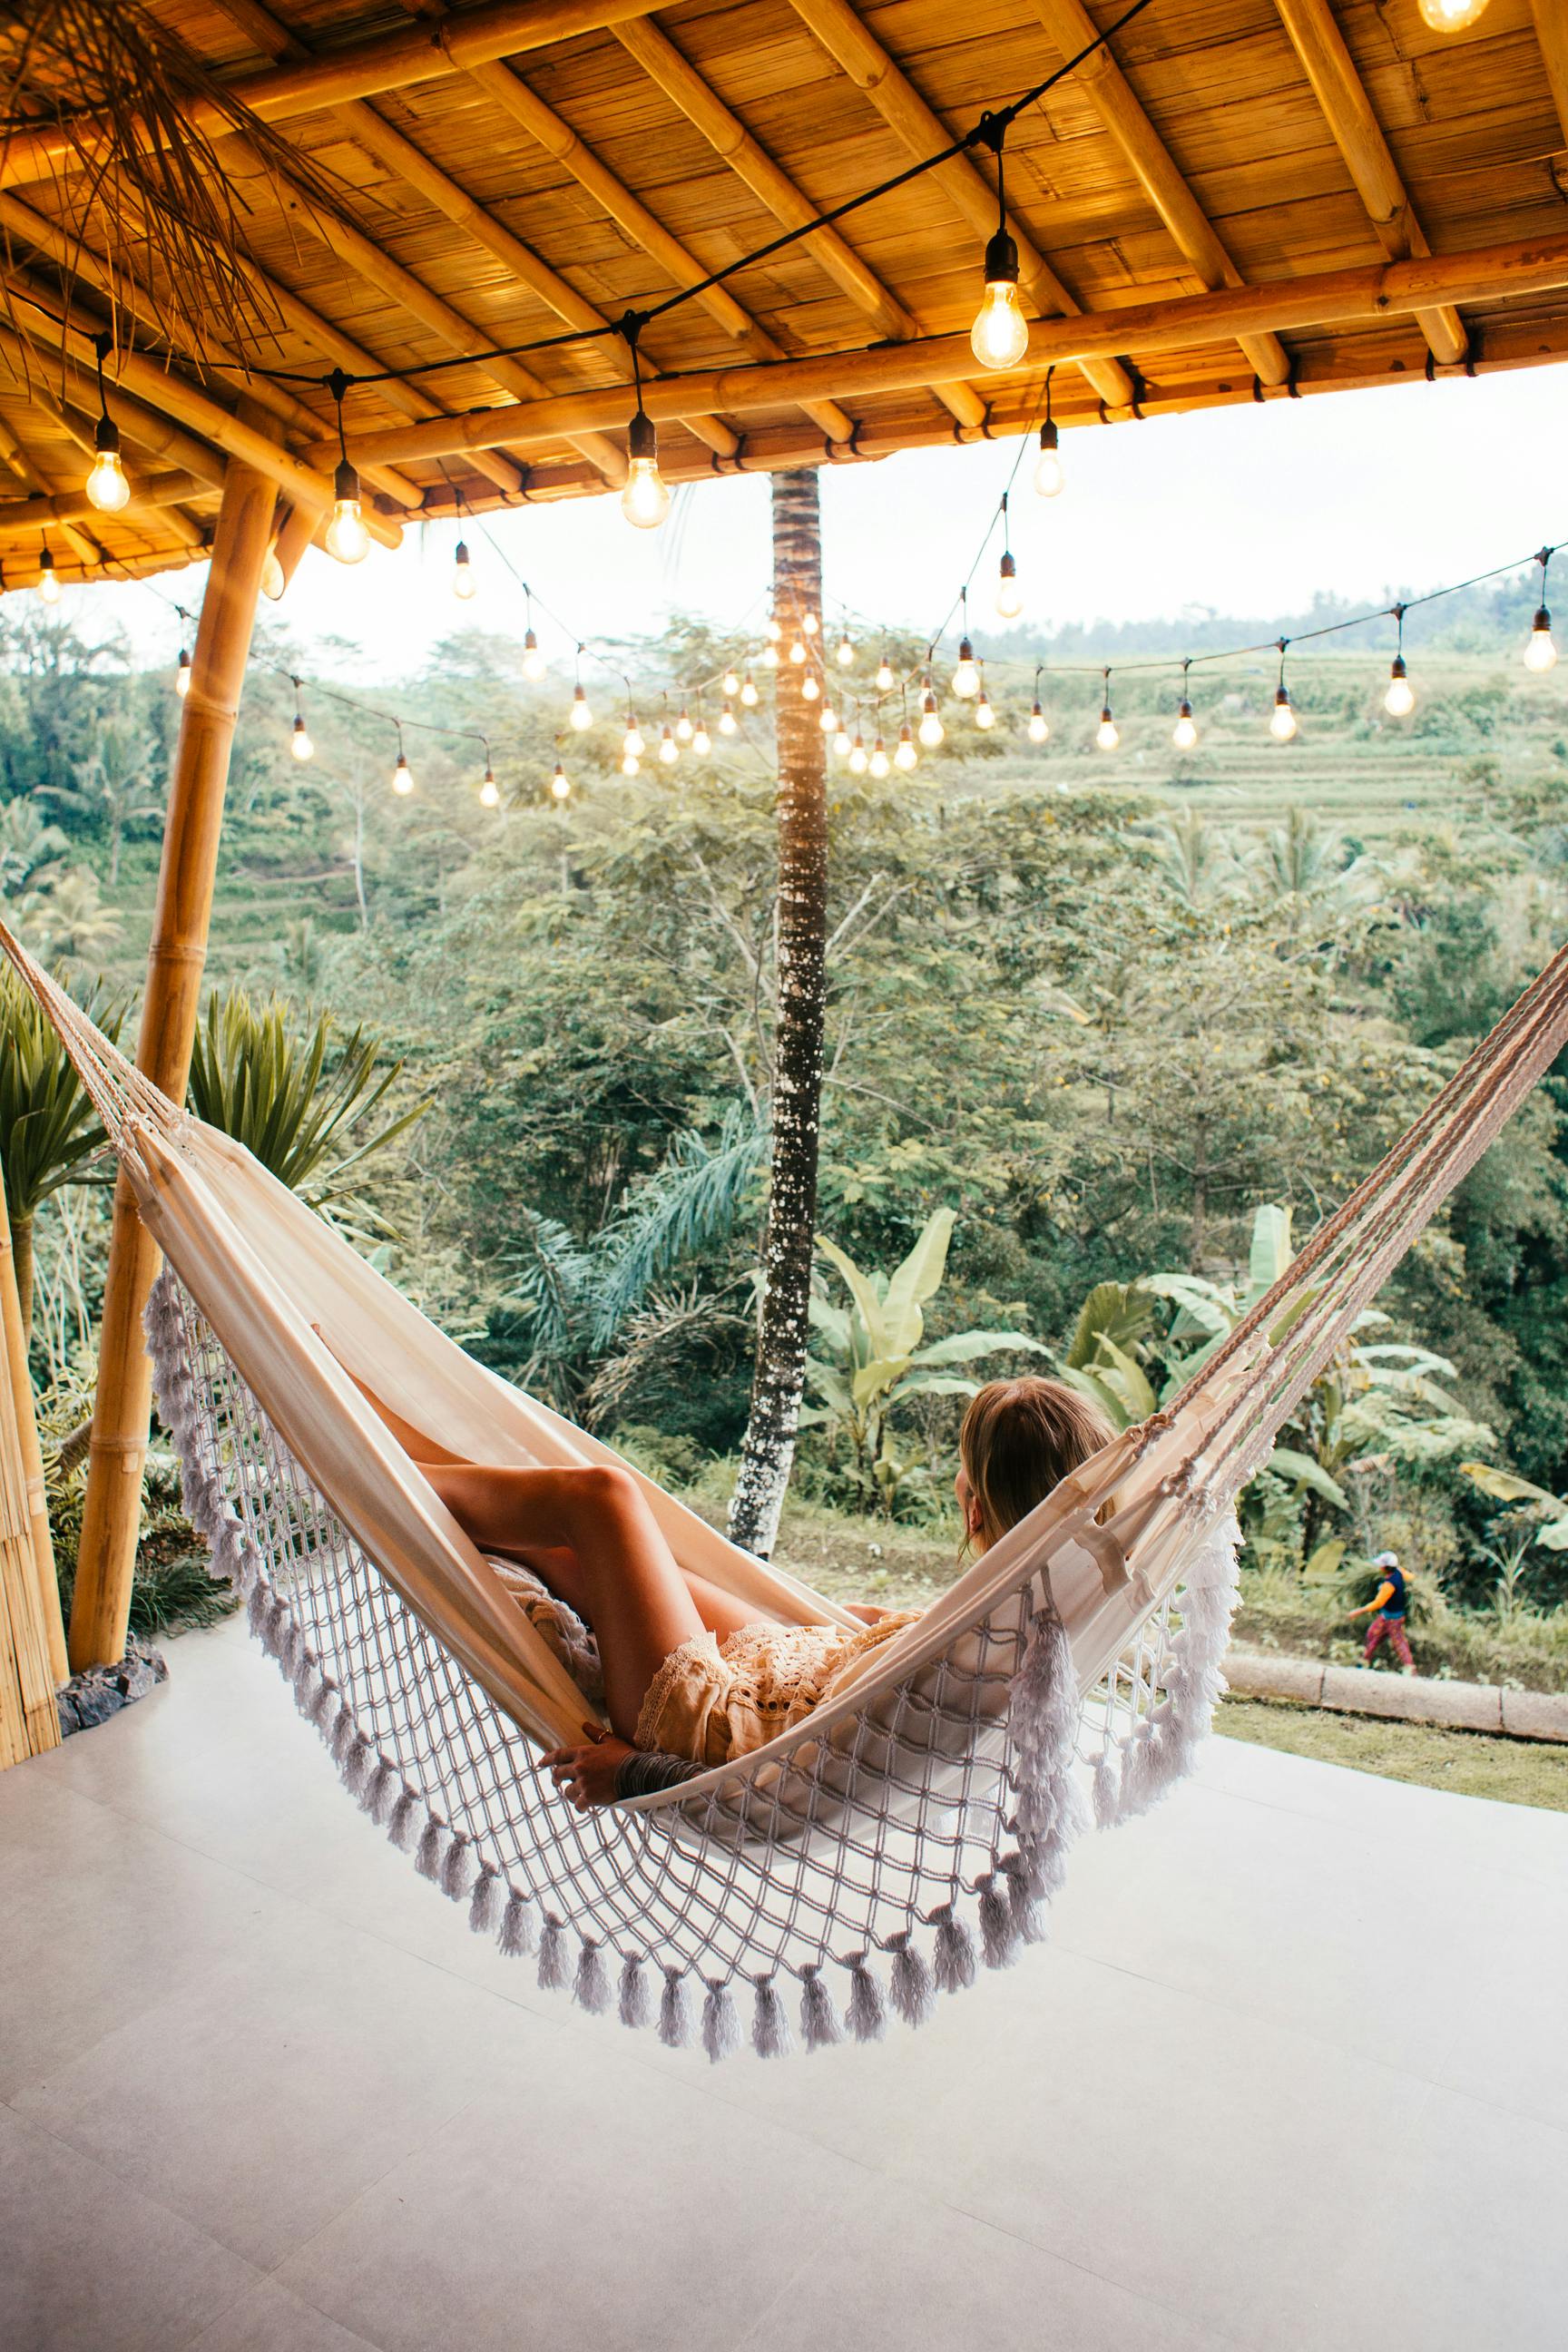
x: 49, y: 1132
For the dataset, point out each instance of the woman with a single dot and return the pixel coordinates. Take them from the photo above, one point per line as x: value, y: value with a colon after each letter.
x: 689, y: 1673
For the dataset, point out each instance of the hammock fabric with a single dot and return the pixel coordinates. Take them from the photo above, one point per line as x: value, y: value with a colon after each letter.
x: 928, y: 1810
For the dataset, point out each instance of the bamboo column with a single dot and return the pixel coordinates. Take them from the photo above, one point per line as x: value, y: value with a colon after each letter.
x: 768, y: 1455
x: 29, y: 1719
x: 112, y: 1508
x: 50, y: 1623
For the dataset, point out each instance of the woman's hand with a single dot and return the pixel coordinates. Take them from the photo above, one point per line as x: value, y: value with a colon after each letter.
x: 586, y: 1776
x: 868, y: 1612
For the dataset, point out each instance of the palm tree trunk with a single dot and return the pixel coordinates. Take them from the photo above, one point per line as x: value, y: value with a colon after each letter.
x: 768, y: 1454
x: 22, y: 1259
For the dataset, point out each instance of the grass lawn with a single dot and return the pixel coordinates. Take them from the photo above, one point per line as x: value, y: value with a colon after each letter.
x: 1514, y: 1771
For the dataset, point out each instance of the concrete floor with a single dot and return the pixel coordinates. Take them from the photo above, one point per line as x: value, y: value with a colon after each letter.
x: 1293, y: 2072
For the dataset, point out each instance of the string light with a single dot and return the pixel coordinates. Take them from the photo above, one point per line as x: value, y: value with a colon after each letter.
x: 797, y: 651
x: 1541, y: 654
x: 106, y: 484
x: 730, y: 685
x: 463, y: 582
x: 669, y: 748
x: 841, y: 741
x: 1450, y: 15
x: 299, y: 743
x: 885, y: 681
x: 1106, y: 735
x: 1000, y: 335
x: 183, y: 674
x: 1399, y: 699
x: 632, y: 743
x: 1282, y: 726
x: 966, y: 676
x: 770, y: 656
x: 644, y: 500
x: 1009, y: 596
x: 808, y: 621
x: 402, y: 774
x: 534, y: 665
x: 932, y: 729
x: 845, y: 653
x: 346, y: 538
x: 48, y: 578
x: 727, y: 720
x: 880, y: 763
x: 857, y: 760
x: 581, y: 714
x: 748, y: 695
x: 906, y: 756
x: 1049, y: 476
x: 683, y: 729
x: 1038, y: 726
x: 828, y: 720
x: 489, y: 790
x: 773, y: 628
x: 809, y: 689
x: 560, y: 785
x: 701, y: 741
x: 983, y: 714
x: 1184, y: 733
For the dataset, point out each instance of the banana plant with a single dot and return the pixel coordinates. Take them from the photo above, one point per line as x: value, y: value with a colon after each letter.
x: 1548, y: 1512
x: 873, y: 1360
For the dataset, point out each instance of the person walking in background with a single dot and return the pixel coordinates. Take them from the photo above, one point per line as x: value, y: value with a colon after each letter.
x: 1387, y: 1611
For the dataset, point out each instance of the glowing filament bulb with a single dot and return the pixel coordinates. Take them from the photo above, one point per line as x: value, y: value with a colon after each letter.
x: 879, y: 762
x: 983, y: 714
x: 632, y: 744
x: 810, y: 691
x: 797, y: 651
x: 841, y: 743
x: 1184, y: 733
x: 1009, y: 596
x: 631, y: 765
x: 966, y: 676
x: 906, y: 755
x: 1000, y: 335
x: 829, y: 721
x: 48, y: 578
x: 581, y: 715
x: 645, y: 501
x: 932, y: 729
x: 183, y: 674
x: 885, y: 678
x: 533, y: 662
x: 347, y: 537
x: 560, y: 784
x: 1540, y: 654
x: 727, y: 721
x: 1048, y: 474
x: 300, y: 741
x: 462, y: 572
x: 773, y: 628
x: 106, y: 486
x: 770, y: 656
x: 1450, y: 15
x: 701, y: 741
x: 857, y: 760
x: 749, y: 692
x: 669, y: 748
x: 808, y: 621
x: 846, y: 652
x: 1039, y: 727
x: 403, y: 776
x: 731, y: 684
x: 489, y: 790
x: 1282, y: 726
x: 1399, y: 699
x: 683, y: 726
x: 1105, y: 734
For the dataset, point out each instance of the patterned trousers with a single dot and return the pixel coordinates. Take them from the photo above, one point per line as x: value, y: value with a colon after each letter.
x: 1394, y: 1627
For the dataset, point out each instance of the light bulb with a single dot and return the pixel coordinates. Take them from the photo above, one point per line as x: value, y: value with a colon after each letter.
x: 48, y: 578
x: 581, y: 715
x: 885, y: 678
x: 560, y: 783
x: 1009, y: 596
x: 841, y: 743
x: 808, y: 621
x: 770, y: 656
x: 403, y: 776
x: 106, y: 486
x: 347, y: 537
x: 1450, y: 15
x: 631, y: 765
x: 809, y: 689
x: 632, y: 744
x: 645, y: 501
x: 1282, y: 726
x: 1538, y: 653
x: 773, y: 628
x: 906, y: 755
x: 727, y: 722
x: 300, y: 741
x: 846, y: 654
x: 273, y: 583
x: 669, y: 748
x: 701, y: 741
x: 1039, y: 727
x: 463, y: 582
x: 1000, y: 335
x: 183, y: 674
x: 683, y: 726
x: 489, y: 790
x: 857, y: 760
x: 932, y: 729
x: 730, y: 684
x: 1399, y: 699
x: 1184, y: 734
x: 1048, y: 474
x: 829, y: 721
x: 749, y: 692
x: 533, y: 662
x: 879, y: 762
x: 966, y: 676
x: 1105, y: 734
x: 983, y: 714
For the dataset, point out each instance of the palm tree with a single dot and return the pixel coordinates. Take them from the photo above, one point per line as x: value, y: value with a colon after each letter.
x: 114, y: 787
x: 66, y: 920
x: 49, y: 1132
x: 30, y: 844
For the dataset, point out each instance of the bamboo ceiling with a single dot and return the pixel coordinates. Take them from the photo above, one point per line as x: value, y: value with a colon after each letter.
x: 1231, y: 200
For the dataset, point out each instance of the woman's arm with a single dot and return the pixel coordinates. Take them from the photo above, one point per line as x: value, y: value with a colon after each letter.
x: 608, y: 1771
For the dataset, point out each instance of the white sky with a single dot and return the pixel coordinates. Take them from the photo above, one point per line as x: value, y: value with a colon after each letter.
x: 1248, y: 510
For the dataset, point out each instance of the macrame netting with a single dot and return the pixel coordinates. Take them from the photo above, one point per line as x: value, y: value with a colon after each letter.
x: 902, y: 1834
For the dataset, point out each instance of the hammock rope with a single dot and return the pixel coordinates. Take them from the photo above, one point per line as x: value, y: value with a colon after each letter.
x: 905, y: 1834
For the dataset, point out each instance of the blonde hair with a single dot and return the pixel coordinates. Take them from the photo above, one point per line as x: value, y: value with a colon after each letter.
x: 1020, y: 1439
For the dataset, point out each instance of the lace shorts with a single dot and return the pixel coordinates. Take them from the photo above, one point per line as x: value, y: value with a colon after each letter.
x: 711, y: 1700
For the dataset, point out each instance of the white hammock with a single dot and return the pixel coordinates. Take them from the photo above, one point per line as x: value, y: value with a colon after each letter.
x: 939, y: 1793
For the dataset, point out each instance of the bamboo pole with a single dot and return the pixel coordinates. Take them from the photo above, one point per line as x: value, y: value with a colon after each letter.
x: 1551, y: 36
x: 1331, y: 297
x: 50, y: 1623
x: 29, y: 1717
x: 152, y: 491
x: 111, y: 1511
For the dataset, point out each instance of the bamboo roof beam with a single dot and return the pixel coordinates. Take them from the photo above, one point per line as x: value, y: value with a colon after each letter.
x: 1551, y: 36
x: 386, y: 61
x: 1071, y: 29
x: 862, y: 57
x: 1365, y: 296
x: 652, y: 48
x: 15, y: 454
x: 70, y: 397
x: 1328, y: 64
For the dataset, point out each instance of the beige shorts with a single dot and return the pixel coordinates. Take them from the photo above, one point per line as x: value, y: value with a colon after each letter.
x: 712, y: 1700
